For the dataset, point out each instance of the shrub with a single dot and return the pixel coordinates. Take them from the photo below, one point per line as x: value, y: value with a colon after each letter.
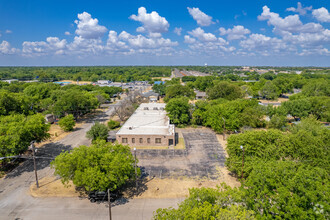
x: 67, y: 123
x: 113, y: 124
x: 98, y: 132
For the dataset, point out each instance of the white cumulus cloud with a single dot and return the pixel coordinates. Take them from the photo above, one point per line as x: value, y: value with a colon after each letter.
x: 202, y: 36
x: 264, y: 44
x: 5, y: 48
x: 89, y: 28
x: 300, y: 9
x: 189, y: 40
x: 52, y: 45
x: 236, y: 33
x: 290, y: 23
x: 67, y: 33
x: 177, y: 31
x: 151, y: 22
x: 8, y: 31
x: 140, y: 41
x: 200, y: 17
x: 321, y: 14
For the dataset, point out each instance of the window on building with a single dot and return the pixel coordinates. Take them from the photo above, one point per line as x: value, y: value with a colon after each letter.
x: 133, y: 140
x: 148, y: 140
x: 124, y: 140
x: 141, y: 140
x: 158, y: 140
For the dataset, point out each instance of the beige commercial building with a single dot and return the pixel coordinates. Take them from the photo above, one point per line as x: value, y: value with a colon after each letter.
x: 148, y: 126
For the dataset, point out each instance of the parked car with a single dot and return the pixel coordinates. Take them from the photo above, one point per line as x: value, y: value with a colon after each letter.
x: 102, y: 196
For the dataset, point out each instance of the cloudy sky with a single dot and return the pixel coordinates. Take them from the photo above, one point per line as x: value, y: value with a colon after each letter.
x: 158, y: 32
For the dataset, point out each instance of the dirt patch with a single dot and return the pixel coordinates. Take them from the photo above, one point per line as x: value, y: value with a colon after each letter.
x: 177, y: 188
x: 52, y: 187
x: 56, y: 133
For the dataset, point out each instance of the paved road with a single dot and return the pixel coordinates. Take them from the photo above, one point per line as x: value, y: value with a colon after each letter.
x: 75, y: 208
x: 15, y: 203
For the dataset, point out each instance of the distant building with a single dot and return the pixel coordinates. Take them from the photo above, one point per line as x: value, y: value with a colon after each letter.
x: 200, y: 95
x: 10, y: 80
x: 103, y: 82
x: 50, y: 118
x: 148, y: 126
x: 151, y: 96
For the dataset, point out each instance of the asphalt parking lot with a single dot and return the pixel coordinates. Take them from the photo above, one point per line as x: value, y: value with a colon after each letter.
x: 202, y: 156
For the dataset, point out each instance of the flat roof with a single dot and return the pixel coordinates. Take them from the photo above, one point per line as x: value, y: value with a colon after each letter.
x: 148, y: 119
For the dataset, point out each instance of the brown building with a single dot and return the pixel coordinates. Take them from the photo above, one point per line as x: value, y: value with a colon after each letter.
x: 148, y: 126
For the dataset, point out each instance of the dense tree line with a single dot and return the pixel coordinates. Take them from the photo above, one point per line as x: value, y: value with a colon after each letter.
x: 286, y: 176
x: 23, y: 106
x: 286, y: 168
x: 88, y: 73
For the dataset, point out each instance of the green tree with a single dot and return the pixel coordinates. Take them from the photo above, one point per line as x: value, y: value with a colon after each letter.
x: 318, y: 87
x: 8, y: 103
x: 297, y: 108
x: 224, y: 90
x: 207, y: 203
x: 98, y: 132
x: 113, y: 124
x: 178, y: 110
x: 232, y: 115
x: 67, y: 123
x: 202, y: 83
x: 270, y: 91
x: 159, y: 88
x: 278, y: 122
x: 287, y: 190
x: 284, y: 84
x: 269, y: 75
x: 17, y: 132
x: 176, y: 91
x: 100, y: 166
x: 198, y: 116
x: 306, y: 142
x: 75, y: 102
x: 258, y: 145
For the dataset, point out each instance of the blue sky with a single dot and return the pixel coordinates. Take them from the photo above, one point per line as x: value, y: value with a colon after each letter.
x: 154, y: 32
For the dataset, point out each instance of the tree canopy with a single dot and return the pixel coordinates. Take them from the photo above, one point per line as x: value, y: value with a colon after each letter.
x: 100, y: 166
x: 17, y: 132
x: 176, y: 91
x: 98, y: 132
x: 178, y: 110
x: 224, y: 90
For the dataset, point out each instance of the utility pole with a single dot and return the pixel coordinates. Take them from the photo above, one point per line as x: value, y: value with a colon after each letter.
x: 109, y: 204
x: 242, y: 162
x: 136, y: 183
x: 34, y: 163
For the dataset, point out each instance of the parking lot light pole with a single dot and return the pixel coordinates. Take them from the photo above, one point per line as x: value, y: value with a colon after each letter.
x: 136, y: 183
x: 34, y: 162
x: 242, y: 162
x: 110, y: 216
